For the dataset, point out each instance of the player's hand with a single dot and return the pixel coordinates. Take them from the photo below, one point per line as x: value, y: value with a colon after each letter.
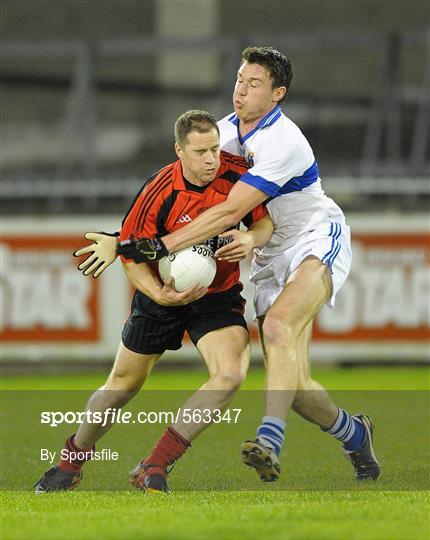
x: 169, y: 296
x: 142, y: 250
x: 102, y: 253
x: 238, y: 249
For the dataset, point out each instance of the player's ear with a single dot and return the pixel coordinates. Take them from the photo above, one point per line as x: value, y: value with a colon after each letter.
x: 280, y: 93
x: 178, y: 150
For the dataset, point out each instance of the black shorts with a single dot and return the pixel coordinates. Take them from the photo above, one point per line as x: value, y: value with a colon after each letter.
x: 152, y: 329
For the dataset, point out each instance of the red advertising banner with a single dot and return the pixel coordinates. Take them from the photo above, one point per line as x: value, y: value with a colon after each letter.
x: 382, y: 309
x: 386, y: 298
x: 43, y: 297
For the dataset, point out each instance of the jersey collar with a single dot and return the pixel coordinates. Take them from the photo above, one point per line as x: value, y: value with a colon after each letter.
x: 267, y: 120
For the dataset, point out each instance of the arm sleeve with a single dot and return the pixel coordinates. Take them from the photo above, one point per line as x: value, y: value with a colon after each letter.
x: 141, y: 220
x: 237, y: 167
x: 276, y: 166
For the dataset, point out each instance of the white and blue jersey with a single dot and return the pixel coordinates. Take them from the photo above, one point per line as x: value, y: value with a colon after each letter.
x: 307, y: 222
x: 282, y: 165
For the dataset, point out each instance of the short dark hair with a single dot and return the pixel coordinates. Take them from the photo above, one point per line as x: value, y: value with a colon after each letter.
x: 195, y: 120
x: 278, y: 64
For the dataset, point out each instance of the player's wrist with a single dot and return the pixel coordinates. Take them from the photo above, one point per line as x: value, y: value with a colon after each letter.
x: 249, y: 239
x: 142, y: 250
x: 159, y: 298
x: 115, y: 233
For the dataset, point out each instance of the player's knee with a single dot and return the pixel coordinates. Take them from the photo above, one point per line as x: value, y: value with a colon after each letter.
x: 228, y: 380
x: 303, y: 385
x: 279, y: 331
x: 123, y: 383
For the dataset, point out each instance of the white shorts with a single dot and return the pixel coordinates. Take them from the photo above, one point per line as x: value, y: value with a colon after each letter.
x: 330, y: 242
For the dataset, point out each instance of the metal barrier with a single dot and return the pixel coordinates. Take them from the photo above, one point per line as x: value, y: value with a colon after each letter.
x: 379, y: 113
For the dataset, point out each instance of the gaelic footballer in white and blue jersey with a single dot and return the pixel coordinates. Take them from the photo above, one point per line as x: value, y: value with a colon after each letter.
x: 283, y: 166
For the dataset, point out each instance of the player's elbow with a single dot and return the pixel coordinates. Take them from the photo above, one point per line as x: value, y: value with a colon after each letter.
x: 233, y: 216
x: 230, y: 221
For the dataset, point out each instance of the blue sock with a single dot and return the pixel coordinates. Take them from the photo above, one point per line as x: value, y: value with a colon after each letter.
x: 349, y: 430
x: 271, y: 433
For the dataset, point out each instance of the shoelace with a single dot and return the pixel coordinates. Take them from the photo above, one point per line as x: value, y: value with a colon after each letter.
x: 172, y: 467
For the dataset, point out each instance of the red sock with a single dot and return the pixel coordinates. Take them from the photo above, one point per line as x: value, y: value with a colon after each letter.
x: 71, y: 463
x: 169, y: 447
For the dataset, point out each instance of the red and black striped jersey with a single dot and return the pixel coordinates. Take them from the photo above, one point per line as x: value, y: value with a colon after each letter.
x: 168, y: 202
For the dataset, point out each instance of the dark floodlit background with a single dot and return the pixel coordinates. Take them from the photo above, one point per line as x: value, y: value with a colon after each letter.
x: 91, y: 91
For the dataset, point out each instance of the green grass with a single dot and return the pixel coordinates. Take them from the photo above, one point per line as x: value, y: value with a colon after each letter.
x: 317, y: 515
x: 356, y: 378
x: 213, y: 495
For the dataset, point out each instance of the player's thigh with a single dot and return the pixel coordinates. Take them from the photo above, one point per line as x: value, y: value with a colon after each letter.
x: 130, y: 369
x: 307, y: 289
x: 260, y: 321
x: 226, y: 351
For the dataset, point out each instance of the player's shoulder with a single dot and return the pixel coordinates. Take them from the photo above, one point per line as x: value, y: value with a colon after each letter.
x: 227, y: 159
x: 232, y: 167
x: 228, y: 128
x: 228, y: 120
x: 286, y: 129
x: 285, y: 134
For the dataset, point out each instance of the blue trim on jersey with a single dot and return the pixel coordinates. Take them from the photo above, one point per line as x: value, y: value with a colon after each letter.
x: 298, y: 183
x: 270, y: 188
x: 267, y: 120
x: 234, y: 119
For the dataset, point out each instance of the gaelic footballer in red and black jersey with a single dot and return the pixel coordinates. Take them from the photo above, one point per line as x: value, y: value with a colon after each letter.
x: 167, y: 202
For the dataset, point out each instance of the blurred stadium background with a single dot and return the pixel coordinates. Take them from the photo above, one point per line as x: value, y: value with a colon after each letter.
x: 90, y: 93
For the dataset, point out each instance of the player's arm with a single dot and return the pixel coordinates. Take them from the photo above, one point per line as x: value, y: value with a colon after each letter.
x: 143, y: 279
x: 244, y: 242
x: 261, y: 231
x: 241, y: 199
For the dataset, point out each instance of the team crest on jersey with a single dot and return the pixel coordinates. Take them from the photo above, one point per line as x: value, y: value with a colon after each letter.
x: 250, y: 159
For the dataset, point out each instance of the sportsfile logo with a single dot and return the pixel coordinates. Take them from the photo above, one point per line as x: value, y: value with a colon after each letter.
x: 184, y: 219
x: 112, y: 415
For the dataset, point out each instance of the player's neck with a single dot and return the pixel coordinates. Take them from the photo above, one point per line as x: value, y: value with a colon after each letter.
x: 247, y: 125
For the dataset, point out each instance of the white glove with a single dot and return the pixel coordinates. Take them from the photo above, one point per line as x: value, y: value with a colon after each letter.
x: 103, y: 253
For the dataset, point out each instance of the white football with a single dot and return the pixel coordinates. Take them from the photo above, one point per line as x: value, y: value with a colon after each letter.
x: 195, y: 264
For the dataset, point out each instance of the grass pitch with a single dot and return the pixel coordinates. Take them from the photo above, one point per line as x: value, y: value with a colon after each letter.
x: 316, y: 499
